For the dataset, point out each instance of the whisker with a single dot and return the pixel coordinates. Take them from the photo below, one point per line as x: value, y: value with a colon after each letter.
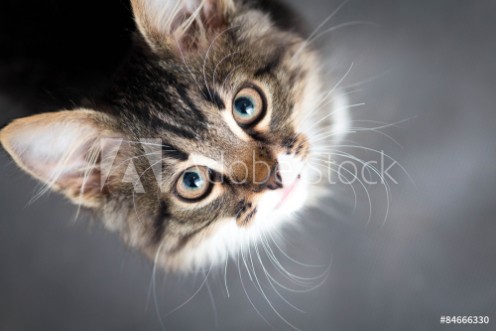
x: 272, y: 306
x: 286, y: 254
x: 308, y: 280
x: 354, y: 86
x: 267, y: 275
x: 298, y: 280
x: 225, y: 276
x: 326, y: 96
x: 246, y: 264
x: 340, y: 26
x: 214, y: 307
x: 374, y: 170
x: 355, y: 177
x: 194, y: 294
x: 328, y: 164
x: 381, y: 153
x: 332, y: 113
x: 248, y: 297
x: 153, y: 287
x: 338, y: 83
x: 320, y: 26
x: 320, y: 278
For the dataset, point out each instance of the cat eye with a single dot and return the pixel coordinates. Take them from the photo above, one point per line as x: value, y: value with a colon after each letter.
x: 194, y: 184
x: 249, y: 106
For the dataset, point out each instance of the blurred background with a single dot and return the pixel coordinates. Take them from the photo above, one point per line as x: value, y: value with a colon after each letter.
x: 426, y: 66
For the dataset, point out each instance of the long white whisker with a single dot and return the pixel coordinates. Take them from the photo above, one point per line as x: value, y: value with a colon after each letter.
x: 269, y: 279
x: 326, y: 96
x: 272, y: 306
x: 340, y: 26
x: 289, y: 257
x: 381, y: 153
x: 324, y: 22
x: 376, y: 171
x: 214, y: 307
x: 332, y: 113
x: 329, y: 164
x: 153, y: 285
x: 248, y: 297
x: 225, y: 276
x: 323, y: 277
x: 194, y: 294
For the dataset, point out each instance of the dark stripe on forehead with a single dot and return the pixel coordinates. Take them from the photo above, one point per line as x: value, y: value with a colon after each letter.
x: 174, y: 153
x: 272, y: 64
x: 160, y: 222
x: 213, y: 97
x: 197, y: 114
x: 181, y: 132
x: 157, y: 94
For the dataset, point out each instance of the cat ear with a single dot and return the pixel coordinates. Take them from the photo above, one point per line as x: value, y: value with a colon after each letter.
x: 182, y: 25
x: 62, y: 150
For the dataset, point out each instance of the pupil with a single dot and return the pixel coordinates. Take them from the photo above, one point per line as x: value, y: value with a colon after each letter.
x: 192, y: 180
x: 244, y: 106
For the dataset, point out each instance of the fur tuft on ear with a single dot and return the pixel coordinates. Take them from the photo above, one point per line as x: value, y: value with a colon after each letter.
x: 62, y: 150
x: 181, y: 25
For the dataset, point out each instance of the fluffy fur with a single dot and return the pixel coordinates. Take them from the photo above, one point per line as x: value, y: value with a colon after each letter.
x: 190, y: 59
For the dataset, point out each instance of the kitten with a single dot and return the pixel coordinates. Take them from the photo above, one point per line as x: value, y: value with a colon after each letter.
x: 204, y: 138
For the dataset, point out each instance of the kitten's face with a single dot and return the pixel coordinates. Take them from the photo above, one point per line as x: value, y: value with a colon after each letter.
x: 226, y: 101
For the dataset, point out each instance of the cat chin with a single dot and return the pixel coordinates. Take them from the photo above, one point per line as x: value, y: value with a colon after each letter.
x: 226, y: 239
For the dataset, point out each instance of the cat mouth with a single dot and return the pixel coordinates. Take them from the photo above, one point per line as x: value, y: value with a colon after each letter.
x: 287, y: 192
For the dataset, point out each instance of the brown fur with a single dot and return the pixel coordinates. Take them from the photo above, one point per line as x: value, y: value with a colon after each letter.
x: 178, y: 85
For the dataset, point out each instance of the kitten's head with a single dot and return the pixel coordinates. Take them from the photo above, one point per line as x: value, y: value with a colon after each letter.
x: 201, y: 142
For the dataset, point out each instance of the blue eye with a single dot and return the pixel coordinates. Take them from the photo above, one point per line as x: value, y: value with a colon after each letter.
x: 248, y: 106
x: 193, y: 183
x: 192, y: 180
x: 244, y: 106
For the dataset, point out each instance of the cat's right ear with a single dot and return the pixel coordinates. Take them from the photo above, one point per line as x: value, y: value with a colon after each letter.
x: 181, y: 25
x: 63, y: 151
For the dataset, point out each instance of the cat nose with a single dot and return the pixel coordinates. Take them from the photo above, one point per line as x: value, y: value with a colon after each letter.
x: 274, y: 181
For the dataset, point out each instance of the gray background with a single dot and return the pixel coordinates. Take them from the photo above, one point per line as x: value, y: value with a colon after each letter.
x: 429, y: 62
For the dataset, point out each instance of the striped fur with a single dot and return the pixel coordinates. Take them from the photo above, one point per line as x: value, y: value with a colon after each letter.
x: 189, y: 60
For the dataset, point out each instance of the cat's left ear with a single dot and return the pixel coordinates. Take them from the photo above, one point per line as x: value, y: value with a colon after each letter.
x: 62, y: 150
x: 181, y: 25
